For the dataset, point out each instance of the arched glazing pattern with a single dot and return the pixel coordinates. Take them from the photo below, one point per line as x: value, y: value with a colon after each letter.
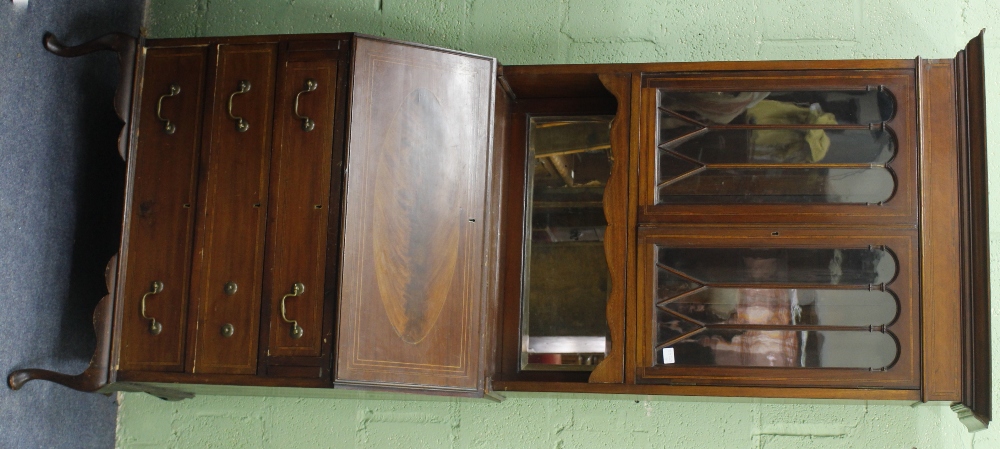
x: 795, y: 147
x: 788, y: 307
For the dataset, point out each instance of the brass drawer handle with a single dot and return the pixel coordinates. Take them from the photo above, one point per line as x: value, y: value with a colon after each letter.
x: 297, y: 289
x: 307, y: 123
x: 154, y: 326
x: 241, y: 125
x: 168, y: 126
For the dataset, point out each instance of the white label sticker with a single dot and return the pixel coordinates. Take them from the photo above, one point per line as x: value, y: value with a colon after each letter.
x: 668, y: 356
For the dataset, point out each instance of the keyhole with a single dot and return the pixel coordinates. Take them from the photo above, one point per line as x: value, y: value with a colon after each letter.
x: 775, y: 233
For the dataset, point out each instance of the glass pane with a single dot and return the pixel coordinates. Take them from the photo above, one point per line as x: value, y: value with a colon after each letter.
x: 787, y: 307
x: 670, y: 327
x: 855, y: 266
x: 565, y: 276
x: 779, y: 108
x: 672, y: 166
x: 788, y: 146
x: 780, y: 186
x: 673, y: 127
x: 784, y: 348
x: 669, y: 285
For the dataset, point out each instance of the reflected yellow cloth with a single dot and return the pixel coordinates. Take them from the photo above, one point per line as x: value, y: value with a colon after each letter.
x: 790, y: 145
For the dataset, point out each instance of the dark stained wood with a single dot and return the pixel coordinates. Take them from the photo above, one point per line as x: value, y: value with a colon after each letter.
x: 904, y: 373
x: 222, y: 379
x: 125, y: 46
x: 302, y: 41
x: 230, y: 238
x: 709, y: 390
x: 512, y: 230
x: 940, y: 273
x: 97, y: 374
x: 529, y: 72
x: 632, y: 260
x: 299, y: 204
x: 163, y: 171
x: 412, y: 290
x: 306, y: 372
x: 497, y: 256
x: 331, y: 309
x: 977, y: 364
x: 611, y: 369
x: 548, y: 85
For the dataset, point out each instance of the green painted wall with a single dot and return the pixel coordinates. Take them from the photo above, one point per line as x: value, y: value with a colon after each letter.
x: 579, y: 31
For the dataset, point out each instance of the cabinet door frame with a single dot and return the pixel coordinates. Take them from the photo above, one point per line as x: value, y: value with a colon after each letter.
x: 902, y: 243
x: 900, y: 208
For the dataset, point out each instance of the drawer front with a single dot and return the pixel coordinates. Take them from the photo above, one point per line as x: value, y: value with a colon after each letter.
x: 163, y: 167
x: 300, y: 207
x: 230, y: 244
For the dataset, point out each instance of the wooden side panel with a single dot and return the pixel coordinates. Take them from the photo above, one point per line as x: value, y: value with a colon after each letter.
x: 939, y: 239
x: 412, y: 288
x: 493, y: 314
x: 977, y: 396
x: 610, y: 370
x: 161, y: 209
x: 300, y: 205
x: 234, y: 197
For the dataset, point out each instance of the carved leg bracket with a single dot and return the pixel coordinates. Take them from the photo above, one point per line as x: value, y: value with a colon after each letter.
x: 96, y: 375
x: 125, y: 46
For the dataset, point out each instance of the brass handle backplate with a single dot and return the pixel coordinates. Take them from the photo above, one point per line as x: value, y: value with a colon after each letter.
x: 241, y: 124
x: 297, y: 289
x: 168, y: 126
x: 154, y: 326
x: 307, y: 123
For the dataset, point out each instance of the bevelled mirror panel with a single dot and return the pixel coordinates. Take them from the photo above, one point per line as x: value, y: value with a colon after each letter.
x: 565, y: 274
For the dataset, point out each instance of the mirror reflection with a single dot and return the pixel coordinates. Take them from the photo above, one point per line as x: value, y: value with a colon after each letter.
x: 565, y: 273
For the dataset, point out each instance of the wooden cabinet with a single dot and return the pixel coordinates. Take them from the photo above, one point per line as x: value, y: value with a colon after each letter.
x: 353, y: 212
x: 267, y: 240
x: 775, y: 229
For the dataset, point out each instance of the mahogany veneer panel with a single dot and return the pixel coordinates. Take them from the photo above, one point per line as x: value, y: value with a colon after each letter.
x: 412, y: 293
x: 942, y: 339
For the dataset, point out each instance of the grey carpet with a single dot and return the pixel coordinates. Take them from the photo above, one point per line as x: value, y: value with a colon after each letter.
x: 60, y: 203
